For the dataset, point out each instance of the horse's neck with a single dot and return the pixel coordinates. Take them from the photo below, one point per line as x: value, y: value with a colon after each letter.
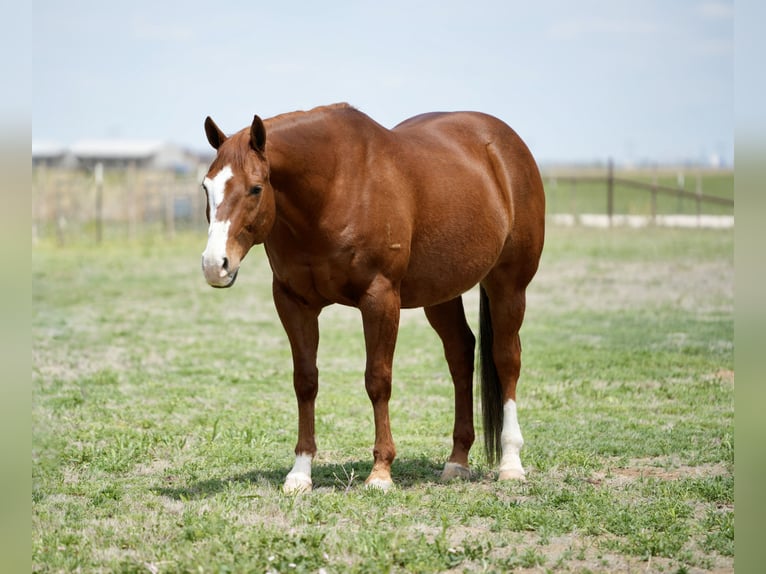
x: 300, y: 173
x: 307, y: 152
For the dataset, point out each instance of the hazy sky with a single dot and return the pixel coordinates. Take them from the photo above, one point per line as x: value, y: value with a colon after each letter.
x: 580, y: 81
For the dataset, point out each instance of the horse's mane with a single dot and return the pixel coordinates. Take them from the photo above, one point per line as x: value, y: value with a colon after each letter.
x: 302, y: 114
x: 237, y: 154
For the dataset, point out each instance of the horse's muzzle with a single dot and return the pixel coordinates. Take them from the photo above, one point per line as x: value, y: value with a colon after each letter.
x: 231, y: 278
x: 219, y: 276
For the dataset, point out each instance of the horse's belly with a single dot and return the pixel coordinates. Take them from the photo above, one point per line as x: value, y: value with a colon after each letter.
x: 426, y: 295
x: 435, y: 280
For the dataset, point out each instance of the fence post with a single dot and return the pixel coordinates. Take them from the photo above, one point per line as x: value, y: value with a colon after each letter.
x: 699, y: 198
x: 610, y: 191
x: 654, y: 196
x: 131, y: 183
x: 200, y: 200
x: 99, y: 175
x: 58, y: 191
x: 573, y: 200
x: 681, y: 184
x: 42, y: 190
x: 170, y: 229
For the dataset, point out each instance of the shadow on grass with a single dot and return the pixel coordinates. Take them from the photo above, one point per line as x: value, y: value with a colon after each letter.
x: 406, y: 473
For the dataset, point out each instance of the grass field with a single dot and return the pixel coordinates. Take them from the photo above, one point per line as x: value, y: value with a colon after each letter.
x: 164, y: 421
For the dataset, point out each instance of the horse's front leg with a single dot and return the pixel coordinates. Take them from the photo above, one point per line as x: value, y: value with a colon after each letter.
x: 301, y: 323
x: 380, y: 317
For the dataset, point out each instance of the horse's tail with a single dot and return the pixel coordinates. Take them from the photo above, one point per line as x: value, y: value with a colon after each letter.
x: 491, y: 393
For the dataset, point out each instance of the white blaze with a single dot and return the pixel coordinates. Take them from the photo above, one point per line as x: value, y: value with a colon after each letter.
x: 218, y: 232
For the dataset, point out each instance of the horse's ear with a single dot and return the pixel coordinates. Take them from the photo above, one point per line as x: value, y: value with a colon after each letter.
x: 214, y: 135
x: 258, y: 135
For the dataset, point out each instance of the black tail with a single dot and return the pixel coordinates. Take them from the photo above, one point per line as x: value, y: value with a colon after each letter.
x: 491, y: 393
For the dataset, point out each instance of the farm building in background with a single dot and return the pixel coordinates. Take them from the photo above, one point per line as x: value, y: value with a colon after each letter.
x: 115, y: 154
x: 49, y: 154
x: 115, y: 187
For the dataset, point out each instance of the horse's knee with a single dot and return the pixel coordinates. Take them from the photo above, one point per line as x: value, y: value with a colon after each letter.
x: 306, y: 383
x: 378, y: 386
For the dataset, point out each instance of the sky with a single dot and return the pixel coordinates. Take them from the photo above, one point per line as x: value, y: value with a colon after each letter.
x: 633, y: 80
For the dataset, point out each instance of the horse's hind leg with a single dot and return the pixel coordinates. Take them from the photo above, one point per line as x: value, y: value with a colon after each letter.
x: 507, y: 302
x: 448, y: 320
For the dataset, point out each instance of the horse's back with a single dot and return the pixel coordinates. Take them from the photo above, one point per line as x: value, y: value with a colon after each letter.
x: 462, y: 128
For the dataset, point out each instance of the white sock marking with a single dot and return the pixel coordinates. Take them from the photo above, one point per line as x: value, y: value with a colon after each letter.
x: 379, y: 483
x: 299, y: 478
x: 511, y: 440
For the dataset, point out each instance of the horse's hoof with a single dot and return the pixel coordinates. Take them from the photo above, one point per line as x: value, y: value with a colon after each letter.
x: 454, y: 470
x: 379, y: 484
x: 513, y: 474
x: 297, y: 483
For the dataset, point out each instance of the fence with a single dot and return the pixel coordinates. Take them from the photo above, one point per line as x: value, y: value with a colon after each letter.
x: 641, y: 197
x: 79, y: 206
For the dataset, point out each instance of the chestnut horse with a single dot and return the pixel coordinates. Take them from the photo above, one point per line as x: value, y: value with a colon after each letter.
x: 353, y: 213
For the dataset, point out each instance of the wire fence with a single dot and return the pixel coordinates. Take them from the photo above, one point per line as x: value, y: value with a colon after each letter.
x: 74, y: 206
x: 662, y: 197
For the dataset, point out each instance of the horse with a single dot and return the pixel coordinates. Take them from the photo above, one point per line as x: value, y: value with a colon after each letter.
x: 352, y: 213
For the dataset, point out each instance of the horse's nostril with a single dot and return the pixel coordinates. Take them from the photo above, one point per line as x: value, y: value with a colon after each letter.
x: 225, y: 264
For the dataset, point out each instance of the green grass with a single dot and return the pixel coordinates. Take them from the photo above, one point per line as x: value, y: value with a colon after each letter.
x: 164, y: 421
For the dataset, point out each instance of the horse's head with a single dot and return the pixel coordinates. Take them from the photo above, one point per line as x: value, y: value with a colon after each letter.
x: 240, y: 200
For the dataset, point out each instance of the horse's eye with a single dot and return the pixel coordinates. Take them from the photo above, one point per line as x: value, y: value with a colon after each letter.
x: 256, y: 189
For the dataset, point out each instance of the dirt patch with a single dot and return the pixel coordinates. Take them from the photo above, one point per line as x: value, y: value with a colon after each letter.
x: 725, y: 376
x: 658, y: 468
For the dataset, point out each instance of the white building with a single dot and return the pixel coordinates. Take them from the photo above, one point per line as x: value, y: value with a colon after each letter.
x: 50, y: 154
x: 115, y: 154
